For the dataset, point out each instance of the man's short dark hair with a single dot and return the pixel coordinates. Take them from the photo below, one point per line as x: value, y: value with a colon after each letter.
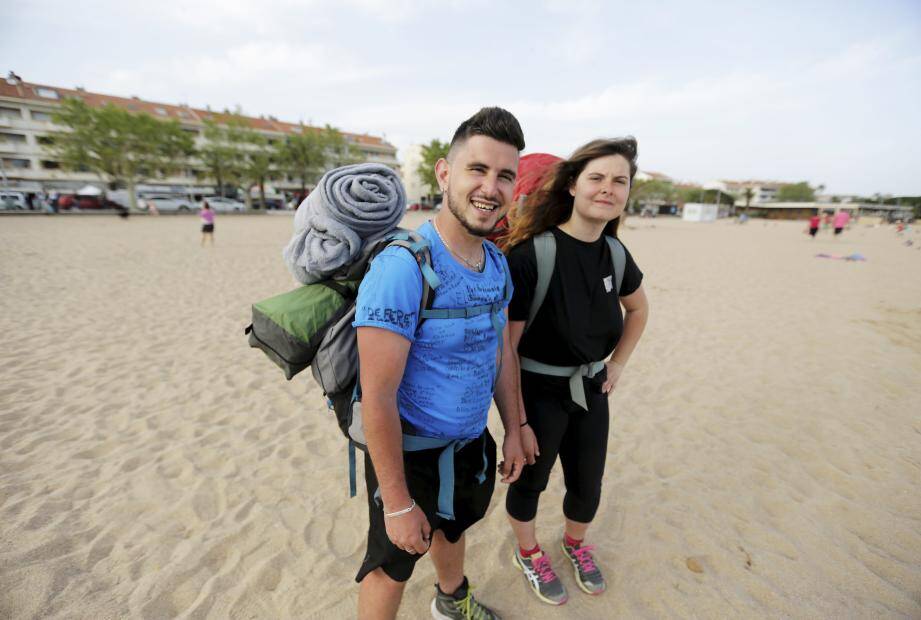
x: 495, y: 123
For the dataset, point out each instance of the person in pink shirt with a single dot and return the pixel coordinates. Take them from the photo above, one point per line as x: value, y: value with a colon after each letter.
x: 814, y: 222
x: 841, y: 219
x: 207, y: 223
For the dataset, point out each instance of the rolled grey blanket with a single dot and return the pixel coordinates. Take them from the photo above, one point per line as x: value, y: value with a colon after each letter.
x: 351, y: 207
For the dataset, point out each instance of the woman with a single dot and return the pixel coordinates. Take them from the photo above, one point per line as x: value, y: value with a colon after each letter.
x: 207, y: 223
x: 565, y: 380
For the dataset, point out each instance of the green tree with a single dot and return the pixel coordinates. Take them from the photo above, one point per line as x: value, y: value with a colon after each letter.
x: 307, y: 154
x: 652, y: 190
x: 301, y: 155
x: 122, y: 147
x: 796, y: 192
x: 748, y: 193
x: 258, y: 164
x: 225, y: 150
x: 431, y: 153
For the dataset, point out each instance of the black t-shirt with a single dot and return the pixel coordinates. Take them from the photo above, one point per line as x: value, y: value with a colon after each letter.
x: 580, y: 320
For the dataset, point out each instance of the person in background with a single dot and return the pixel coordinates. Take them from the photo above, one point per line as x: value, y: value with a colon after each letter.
x: 207, y: 223
x: 842, y: 217
x: 814, y: 223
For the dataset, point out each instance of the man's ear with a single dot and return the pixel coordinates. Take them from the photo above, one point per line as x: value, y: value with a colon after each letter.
x: 442, y: 172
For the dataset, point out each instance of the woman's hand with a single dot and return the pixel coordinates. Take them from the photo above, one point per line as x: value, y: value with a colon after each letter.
x: 529, y: 444
x: 614, y: 370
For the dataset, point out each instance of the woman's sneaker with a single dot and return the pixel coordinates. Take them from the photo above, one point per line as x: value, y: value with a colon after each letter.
x: 447, y: 607
x: 588, y: 575
x: 539, y: 573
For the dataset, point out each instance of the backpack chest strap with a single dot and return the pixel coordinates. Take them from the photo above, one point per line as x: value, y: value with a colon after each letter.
x: 575, y: 374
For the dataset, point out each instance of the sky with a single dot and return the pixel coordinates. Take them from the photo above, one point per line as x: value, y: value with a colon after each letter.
x: 824, y: 92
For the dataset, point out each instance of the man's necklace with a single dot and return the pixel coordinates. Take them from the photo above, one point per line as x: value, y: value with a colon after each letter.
x: 477, y: 266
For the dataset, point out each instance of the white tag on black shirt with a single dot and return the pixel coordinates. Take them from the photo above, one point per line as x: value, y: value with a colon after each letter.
x: 608, y: 283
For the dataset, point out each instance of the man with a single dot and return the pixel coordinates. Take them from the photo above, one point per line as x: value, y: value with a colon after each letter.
x: 437, y: 379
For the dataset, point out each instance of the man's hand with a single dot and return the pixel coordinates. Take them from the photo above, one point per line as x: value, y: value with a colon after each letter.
x: 529, y: 444
x: 410, y: 532
x: 513, y: 456
x: 613, y: 375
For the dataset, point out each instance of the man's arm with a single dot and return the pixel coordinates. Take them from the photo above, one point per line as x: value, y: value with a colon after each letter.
x: 384, y: 354
x: 508, y: 398
x: 528, y: 439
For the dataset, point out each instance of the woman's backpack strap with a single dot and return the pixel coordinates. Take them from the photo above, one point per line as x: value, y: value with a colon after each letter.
x: 545, y: 252
x: 619, y: 257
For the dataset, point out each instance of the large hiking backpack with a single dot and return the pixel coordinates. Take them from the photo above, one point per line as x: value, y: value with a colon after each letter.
x: 312, y: 326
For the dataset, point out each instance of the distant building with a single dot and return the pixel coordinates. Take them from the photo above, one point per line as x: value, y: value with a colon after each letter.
x: 25, y: 121
x: 761, y: 191
x: 412, y: 182
x: 649, y: 175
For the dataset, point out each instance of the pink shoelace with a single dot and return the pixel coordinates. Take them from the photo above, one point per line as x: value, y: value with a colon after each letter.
x: 584, y: 558
x: 544, y: 571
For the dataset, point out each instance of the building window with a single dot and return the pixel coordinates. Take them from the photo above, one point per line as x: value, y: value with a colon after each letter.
x: 160, y: 111
x: 12, y: 138
x: 45, y: 140
x: 47, y: 93
x: 40, y: 116
x: 50, y: 165
x: 21, y: 164
x: 10, y: 113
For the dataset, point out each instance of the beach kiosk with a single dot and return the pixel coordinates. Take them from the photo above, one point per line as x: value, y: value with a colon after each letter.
x: 698, y: 212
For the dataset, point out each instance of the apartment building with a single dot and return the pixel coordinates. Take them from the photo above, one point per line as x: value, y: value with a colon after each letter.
x: 761, y: 191
x: 26, y: 164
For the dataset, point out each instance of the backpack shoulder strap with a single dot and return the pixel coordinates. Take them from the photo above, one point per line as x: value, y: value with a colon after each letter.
x: 619, y: 258
x: 545, y: 251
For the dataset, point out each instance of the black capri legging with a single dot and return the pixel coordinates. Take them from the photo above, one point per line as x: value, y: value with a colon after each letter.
x: 563, y: 428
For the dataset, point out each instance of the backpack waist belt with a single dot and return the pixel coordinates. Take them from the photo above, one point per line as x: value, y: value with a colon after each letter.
x: 575, y: 374
x: 414, y: 443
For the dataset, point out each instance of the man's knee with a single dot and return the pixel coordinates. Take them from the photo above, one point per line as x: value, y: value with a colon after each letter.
x: 379, y: 596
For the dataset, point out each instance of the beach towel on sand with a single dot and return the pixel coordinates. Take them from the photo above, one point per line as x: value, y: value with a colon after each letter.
x: 351, y: 207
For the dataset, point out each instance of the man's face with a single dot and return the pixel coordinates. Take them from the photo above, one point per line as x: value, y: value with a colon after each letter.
x: 479, y: 182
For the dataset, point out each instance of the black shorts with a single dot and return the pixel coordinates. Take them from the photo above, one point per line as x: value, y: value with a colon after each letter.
x: 206, y: 228
x: 813, y: 231
x: 471, y: 500
x: 838, y: 231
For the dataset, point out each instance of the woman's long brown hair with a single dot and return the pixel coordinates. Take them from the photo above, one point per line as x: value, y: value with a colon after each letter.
x: 551, y: 205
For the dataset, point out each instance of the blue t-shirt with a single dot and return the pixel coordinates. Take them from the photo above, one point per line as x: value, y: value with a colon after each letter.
x: 447, y: 384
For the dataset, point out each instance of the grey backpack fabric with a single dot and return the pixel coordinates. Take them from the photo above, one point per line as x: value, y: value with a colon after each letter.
x: 545, y: 251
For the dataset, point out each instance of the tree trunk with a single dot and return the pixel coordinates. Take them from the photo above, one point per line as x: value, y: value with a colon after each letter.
x: 262, y: 194
x: 132, y: 195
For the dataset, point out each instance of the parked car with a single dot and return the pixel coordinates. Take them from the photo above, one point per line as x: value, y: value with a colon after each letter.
x: 12, y: 201
x: 166, y: 202
x: 221, y: 204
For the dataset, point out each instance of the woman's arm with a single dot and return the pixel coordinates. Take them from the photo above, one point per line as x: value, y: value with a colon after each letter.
x: 637, y: 311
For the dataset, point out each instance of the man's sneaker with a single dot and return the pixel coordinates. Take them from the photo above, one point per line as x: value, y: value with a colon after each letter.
x: 588, y: 575
x: 446, y: 607
x: 545, y: 583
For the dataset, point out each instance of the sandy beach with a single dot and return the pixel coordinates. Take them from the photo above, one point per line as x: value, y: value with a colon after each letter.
x: 764, y: 462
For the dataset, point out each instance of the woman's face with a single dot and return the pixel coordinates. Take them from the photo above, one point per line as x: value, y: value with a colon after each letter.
x: 600, y: 191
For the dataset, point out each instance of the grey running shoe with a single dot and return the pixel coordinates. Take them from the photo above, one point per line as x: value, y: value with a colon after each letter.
x: 588, y: 575
x: 545, y: 583
x: 446, y: 607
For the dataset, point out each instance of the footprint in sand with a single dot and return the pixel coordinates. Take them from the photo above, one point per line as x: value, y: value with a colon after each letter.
x: 206, y: 503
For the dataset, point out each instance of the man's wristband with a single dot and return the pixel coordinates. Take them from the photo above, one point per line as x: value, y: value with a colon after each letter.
x: 523, y: 424
x: 399, y: 513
